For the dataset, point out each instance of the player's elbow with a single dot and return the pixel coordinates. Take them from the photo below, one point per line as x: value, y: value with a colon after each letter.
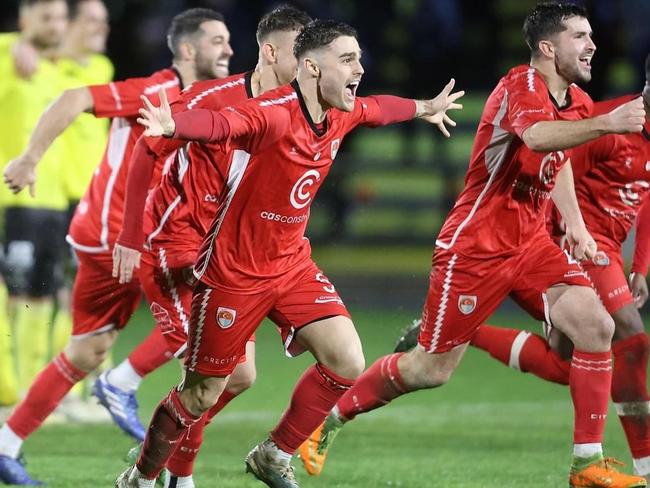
x: 535, y: 141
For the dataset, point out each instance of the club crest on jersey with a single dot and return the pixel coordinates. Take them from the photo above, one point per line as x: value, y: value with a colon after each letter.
x: 600, y: 259
x: 335, y: 147
x: 466, y: 304
x: 226, y: 317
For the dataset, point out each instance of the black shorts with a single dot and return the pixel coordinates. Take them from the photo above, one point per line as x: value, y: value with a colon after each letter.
x: 33, y: 250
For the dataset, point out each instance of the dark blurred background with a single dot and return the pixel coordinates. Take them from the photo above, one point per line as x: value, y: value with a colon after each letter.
x: 390, y: 189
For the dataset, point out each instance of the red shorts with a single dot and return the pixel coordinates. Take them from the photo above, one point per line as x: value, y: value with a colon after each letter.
x: 464, y: 292
x: 607, y: 274
x: 222, y: 322
x: 169, y: 293
x: 99, y: 302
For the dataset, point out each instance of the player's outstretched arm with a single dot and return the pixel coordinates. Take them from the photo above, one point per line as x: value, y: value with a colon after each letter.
x: 582, y: 244
x: 435, y: 110
x: 557, y: 135
x: 21, y: 171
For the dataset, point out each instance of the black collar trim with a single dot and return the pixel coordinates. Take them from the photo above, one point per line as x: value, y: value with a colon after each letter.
x: 248, y: 83
x: 568, y: 99
x: 305, y: 112
x: 180, y: 78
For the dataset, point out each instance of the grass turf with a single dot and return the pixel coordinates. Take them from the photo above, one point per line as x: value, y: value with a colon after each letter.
x: 490, y: 427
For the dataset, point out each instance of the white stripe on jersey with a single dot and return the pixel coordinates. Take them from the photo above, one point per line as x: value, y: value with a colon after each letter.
x: 163, y: 220
x: 495, y: 154
x: 279, y: 101
x: 442, y: 307
x: 235, y: 174
x: 196, y: 343
x: 119, y: 137
x: 530, y: 79
x: 116, y: 96
x: 150, y: 90
x: 162, y: 256
x: 216, y: 88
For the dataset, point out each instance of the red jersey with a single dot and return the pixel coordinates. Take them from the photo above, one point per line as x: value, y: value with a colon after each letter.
x: 612, y: 179
x: 507, y: 185
x: 181, y: 208
x: 98, y: 217
x: 280, y: 157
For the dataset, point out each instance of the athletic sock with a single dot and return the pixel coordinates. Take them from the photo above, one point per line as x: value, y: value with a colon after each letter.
x: 61, y: 332
x: 377, y: 386
x: 630, y: 394
x: 182, y: 461
x: 10, y: 442
x: 151, y: 353
x: 524, y: 351
x: 47, y: 391
x: 8, y: 379
x: 590, y: 384
x: 316, y: 392
x: 169, y: 423
x: 32, y: 326
x: 124, y: 376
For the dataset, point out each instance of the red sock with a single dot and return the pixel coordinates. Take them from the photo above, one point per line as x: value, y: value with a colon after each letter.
x: 313, y: 397
x: 170, y: 421
x: 182, y: 461
x: 43, y: 396
x: 590, y: 383
x: 378, y: 385
x: 630, y: 391
x: 524, y: 351
x: 151, y: 353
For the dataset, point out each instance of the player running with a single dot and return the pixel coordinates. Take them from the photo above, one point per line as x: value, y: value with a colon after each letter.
x: 199, y: 40
x: 494, y: 242
x: 612, y: 187
x: 256, y: 262
x: 181, y: 208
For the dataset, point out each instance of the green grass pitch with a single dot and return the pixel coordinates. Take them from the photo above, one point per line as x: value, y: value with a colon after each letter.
x: 489, y: 427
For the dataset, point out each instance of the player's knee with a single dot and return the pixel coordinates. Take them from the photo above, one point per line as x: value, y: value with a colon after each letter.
x: 603, y: 328
x: 242, y: 382
x: 349, y: 362
x: 202, y: 396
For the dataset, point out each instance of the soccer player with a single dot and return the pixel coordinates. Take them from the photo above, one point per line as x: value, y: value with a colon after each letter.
x: 255, y: 261
x: 179, y: 212
x: 34, y: 228
x: 494, y: 242
x: 82, y: 63
x: 612, y: 185
x: 199, y: 41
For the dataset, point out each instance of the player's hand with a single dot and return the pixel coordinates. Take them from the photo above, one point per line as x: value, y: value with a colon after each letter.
x: 581, y: 244
x: 19, y: 173
x: 639, y: 289
x: 434, y: 111
x: 158, y: 121
x: 25, y: 59
x: 628, y: 117
x: 125, y: 260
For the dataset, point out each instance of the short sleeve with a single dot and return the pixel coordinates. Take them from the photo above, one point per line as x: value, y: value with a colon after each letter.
x: 527, y: 101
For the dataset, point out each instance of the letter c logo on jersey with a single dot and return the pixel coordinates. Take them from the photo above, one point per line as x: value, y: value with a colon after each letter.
x: 300, y: 194
x: 466, y: 304
x: 548, y: 167
x: 226, y: 317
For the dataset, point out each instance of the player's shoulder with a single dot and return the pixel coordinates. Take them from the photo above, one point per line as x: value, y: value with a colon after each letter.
x: 525, y: 78
x: 233, y: 88
x: 580, y: 100
x: 605, y: 106
x: 166, y: 78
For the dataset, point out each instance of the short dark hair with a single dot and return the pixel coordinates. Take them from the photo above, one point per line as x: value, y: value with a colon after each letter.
x: 74, y: 6
x: 188, y: 23
x: 546, y: 20
x: 284, y: 18
x: 319, y: 33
